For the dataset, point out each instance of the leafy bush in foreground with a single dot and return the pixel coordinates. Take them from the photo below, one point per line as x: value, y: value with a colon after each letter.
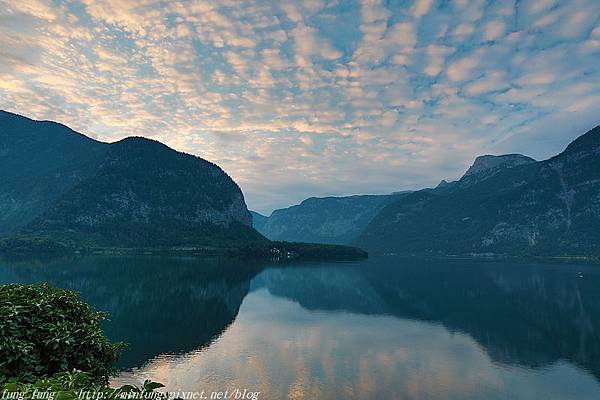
x: 44, y: 331
x: 78, y: 385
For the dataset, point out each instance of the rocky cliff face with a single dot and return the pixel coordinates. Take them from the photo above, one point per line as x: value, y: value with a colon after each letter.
x: 335, y: 220
x: 485, y: 167
x: 542, y: 208
x: 488, y: 163
x: 559, y: 208
x: 136, y: 192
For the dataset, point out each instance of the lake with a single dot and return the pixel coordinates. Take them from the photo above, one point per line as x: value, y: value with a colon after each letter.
x: 384, y: 328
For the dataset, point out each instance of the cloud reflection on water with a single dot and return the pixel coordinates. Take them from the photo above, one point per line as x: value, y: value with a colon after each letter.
x: 284, y: 351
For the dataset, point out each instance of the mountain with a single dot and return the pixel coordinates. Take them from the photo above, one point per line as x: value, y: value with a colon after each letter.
x: 443, y: 184
x: 258, y: 220
x: 489, y: 164
x: 508, y: 205
x: 334, y: 220
x: 483, y: 167
x: 39, y: 162
x: 61, y: 185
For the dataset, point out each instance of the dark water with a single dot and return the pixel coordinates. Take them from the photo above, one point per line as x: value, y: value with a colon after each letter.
x: 386, y: 328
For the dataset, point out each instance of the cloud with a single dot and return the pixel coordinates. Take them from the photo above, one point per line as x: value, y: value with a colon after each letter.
x: 421, y: 8
x: 462, y: 69
x: 300, y: 98
x: 494, y: 30
x: 436, y: 58
x: 491, y: 81
x: 463, y: 30
x: 537, y: 6
x: 308, y: 44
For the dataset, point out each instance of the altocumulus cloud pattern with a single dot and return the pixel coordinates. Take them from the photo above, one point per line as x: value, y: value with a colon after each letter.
x: 297, y: 98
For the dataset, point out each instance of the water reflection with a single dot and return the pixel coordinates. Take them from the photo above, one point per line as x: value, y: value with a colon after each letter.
x: 284, y: 351
x: 529, y: 315
x: 383, y: 328
x: 156, y: 305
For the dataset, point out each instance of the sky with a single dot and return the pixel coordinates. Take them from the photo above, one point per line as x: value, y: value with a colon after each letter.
x: 295, y: 99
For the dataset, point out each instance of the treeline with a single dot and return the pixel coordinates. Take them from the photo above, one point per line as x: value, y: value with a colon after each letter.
x: 259, y: 250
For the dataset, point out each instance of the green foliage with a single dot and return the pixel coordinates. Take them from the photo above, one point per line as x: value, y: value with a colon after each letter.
x: 148, y: 195
x: 44, y: 330
x: 33, y: 245
x: 78, y: 385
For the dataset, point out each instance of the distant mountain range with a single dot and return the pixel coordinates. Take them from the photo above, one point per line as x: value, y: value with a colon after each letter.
x: 61, y: 188
x: 341, y: 220
x: 509, y: 204
x: 335, y: 220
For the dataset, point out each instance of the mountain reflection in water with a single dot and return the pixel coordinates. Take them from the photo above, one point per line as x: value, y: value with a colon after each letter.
x: 382, y: 328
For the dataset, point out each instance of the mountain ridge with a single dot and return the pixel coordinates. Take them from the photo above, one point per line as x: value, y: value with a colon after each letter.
x: 132, y: 192
x: 330, y: 220
x: 484, y: 163
x: 35, y: 169
x: 548, y: 207
x: 62, y: 192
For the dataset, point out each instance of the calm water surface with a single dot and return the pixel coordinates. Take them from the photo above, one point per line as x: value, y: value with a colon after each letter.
x: 386, y: 328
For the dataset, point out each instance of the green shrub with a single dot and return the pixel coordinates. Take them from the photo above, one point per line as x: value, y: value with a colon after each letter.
x: 44, y: 331
x: 78, y: 385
